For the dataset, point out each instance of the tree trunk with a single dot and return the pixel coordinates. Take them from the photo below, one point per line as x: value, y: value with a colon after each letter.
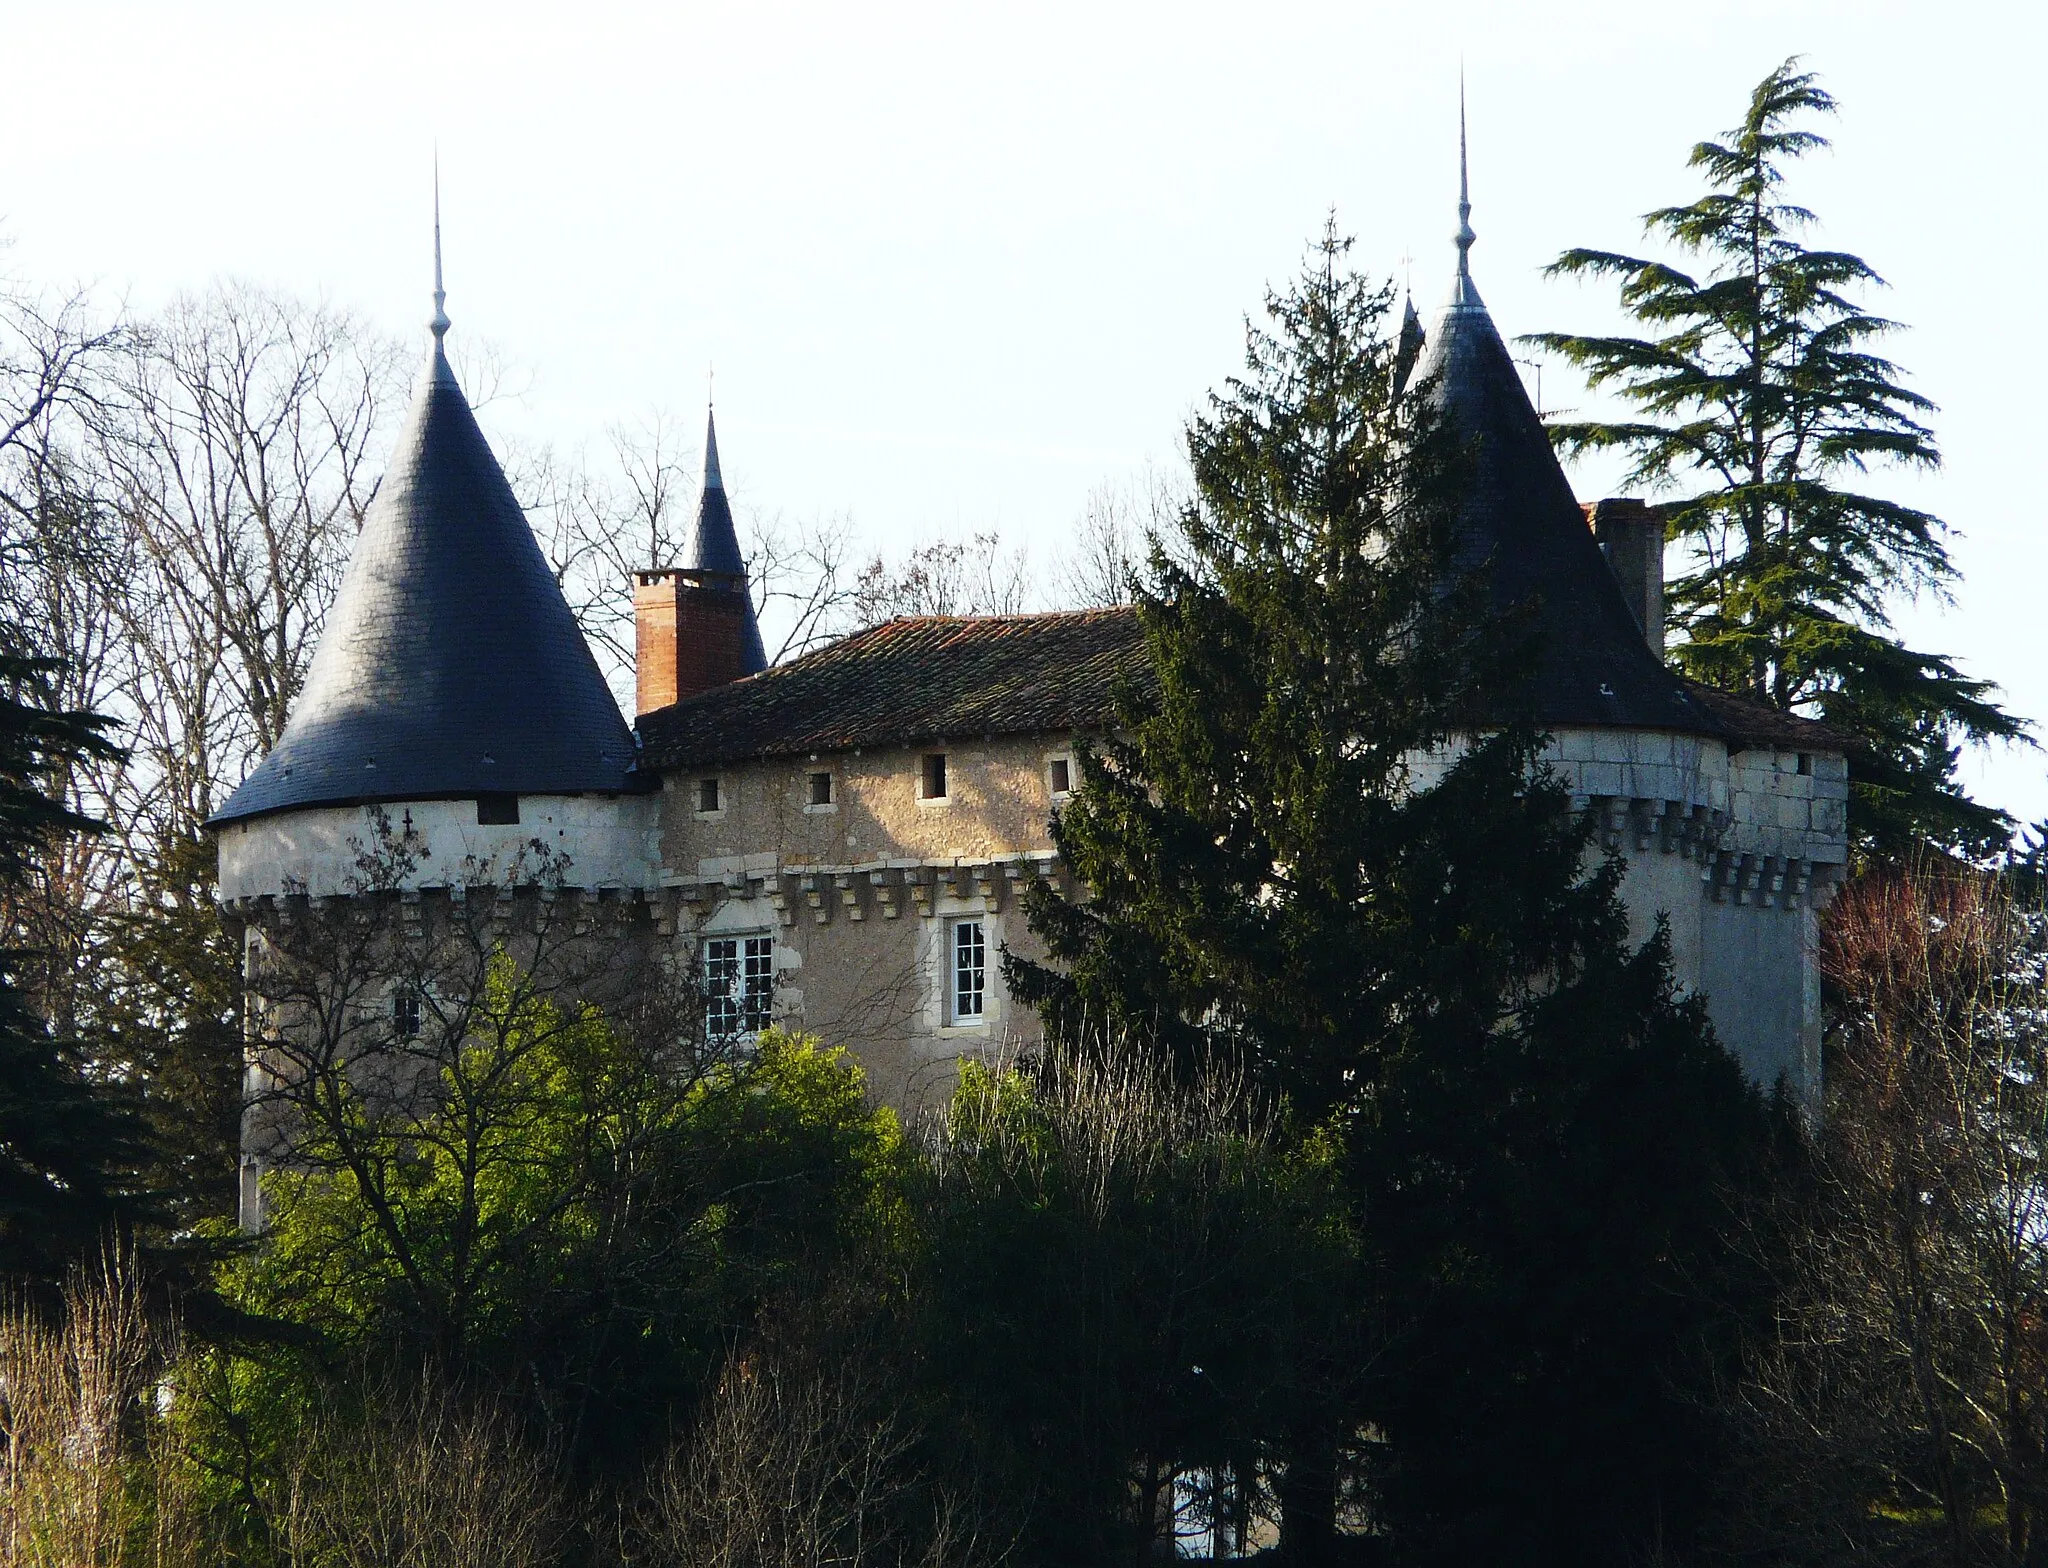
x: 1308, y: 1507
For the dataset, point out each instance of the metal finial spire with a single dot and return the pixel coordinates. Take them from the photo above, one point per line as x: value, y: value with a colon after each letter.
x: 439, y: 325
x: 1464, y: 236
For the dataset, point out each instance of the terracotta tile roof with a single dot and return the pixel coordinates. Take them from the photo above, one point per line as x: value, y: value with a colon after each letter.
x: 935, y: 678
x: 917, y: 679
x: 1746, y: 723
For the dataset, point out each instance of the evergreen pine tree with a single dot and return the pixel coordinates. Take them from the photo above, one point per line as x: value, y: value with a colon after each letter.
x: 1761, y: 399
x: 69, y: 1146
x: 1325, y: 845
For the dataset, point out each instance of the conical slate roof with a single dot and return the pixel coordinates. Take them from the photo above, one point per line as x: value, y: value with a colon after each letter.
x: 1519, y: 515
x: 451, y: 665
x: 714, y: 558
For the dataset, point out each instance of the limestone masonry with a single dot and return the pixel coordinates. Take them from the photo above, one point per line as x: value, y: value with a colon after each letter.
x: 840, y: 843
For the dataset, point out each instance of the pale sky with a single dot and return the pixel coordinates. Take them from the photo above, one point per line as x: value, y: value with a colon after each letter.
x: 958, y: 265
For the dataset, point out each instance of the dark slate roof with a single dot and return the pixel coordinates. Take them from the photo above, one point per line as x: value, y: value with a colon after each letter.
x: 714, y: 558
x: 1520, y: 518
x: 451, y: 665
x: 925, y: 678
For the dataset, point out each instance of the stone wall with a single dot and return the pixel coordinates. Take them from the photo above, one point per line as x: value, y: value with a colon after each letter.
x: 859, y: 891
x: 1733, y: 851
x: 595, y: 841
x: 1736, y: 853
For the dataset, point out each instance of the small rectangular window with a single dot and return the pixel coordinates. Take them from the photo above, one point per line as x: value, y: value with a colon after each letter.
x: 406, y: 1014
x: 1062, y: 776
x: 821, y: 789
x: 707, y: 794
x: 933, y: 782
x: 739, y: 986
x: 969, y: 972
x: 1806, y: 762
x: 497, y: 810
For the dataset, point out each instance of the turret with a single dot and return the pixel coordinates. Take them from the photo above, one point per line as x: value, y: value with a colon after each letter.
x: 694, y: 625
x: 1727, y: 815
x: 452, y: 690
x: 1520, y: 521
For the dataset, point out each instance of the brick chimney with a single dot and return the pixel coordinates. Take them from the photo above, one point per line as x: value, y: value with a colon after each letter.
x: 691, y: 632
x: 1631, y: 536
x: 693, y: 625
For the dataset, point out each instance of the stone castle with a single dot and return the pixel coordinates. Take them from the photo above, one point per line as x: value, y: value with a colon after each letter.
x: 839, y: 843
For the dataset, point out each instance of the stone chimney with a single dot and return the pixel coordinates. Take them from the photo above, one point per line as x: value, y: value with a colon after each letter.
x: 691, y: 632
x: 1631, y: 536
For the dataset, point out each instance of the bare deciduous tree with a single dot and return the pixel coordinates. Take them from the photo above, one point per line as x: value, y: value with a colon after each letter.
x: 424, y: 1479
x: 238, y: 470
x: 58, y: 562
x: 91, y: 1475
x: 179, y: 498
x: 807, y: 1457
x: 1106, y: 554
x: 52, y: 353
x: 1902, y: 1410
x: 803, y: 588
x: 946, y: 577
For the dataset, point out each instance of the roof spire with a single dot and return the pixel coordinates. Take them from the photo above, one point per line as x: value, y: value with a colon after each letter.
x: 713, y: 479
x: 713, y: 560
x: 439, y: 325
x: 1464, y: 237
x: 1408, y: 345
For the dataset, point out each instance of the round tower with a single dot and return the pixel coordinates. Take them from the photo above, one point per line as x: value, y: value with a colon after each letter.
x: 453, y: 723
x: 1729, y: 816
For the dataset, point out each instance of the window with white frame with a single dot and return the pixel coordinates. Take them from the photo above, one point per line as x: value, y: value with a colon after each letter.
x: 967, y: 965
x: 739, y: 985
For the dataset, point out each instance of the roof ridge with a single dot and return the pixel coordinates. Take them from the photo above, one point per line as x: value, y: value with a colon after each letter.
x: 980, y: 618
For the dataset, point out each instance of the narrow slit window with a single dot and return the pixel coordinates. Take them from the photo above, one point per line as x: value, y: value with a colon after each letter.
x: 970, y: 972
x: 821, y: 789
x: 1806, y: 762
x: 933, y: 783
x: 707, y: 794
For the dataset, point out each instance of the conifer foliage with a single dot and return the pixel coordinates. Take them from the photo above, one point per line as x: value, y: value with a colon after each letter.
x: 1306, y: 641
x: 1326, y: 847
x: 68, y: 1150
x: 1760, y: 397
